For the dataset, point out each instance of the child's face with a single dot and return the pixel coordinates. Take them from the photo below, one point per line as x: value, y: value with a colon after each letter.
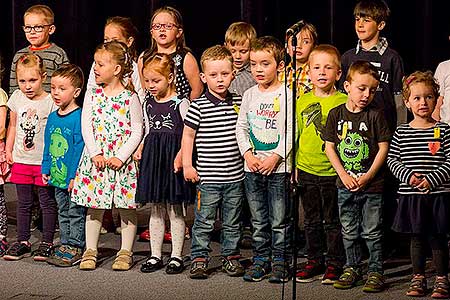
x: 156, y: 83
x: 264, y: 67
x: 113, y: 33
x: 38, y: 39
x: 30, y: 82
x: 305, y: 44
x: 360, y: 90
x: 323, y: 71
x: 105, y: 68
x: 63, y: 92
x: 163, y: 35
x: 421, y: 100
x: 217, y: 74
x: 367, y: 29
x: 240, y: 53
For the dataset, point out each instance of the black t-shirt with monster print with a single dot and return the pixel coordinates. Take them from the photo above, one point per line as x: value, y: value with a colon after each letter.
x: 356, y: 137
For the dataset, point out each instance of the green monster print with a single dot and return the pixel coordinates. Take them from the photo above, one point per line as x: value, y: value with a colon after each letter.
x: 58, y: 148
x: 353, y: 150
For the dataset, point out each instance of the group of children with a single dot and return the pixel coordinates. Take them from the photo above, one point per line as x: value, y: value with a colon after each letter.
x: 147, y: 133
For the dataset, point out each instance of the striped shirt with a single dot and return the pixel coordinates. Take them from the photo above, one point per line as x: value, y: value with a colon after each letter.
x: 214, y: 120
x: 424, y: 151
x: 53, y: 57
x: 242, y: 81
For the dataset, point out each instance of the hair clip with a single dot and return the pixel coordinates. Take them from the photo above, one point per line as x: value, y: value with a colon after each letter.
x: 410, y: 79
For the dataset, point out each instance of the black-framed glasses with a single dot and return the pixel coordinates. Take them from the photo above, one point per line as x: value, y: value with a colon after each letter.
x: 167, y: 26
x: 37, y: 28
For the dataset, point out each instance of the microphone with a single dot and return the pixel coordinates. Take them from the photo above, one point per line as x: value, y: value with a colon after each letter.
x: 294, y: 29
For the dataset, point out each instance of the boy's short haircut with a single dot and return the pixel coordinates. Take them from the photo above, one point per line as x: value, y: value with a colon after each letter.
x: 329, y: 49
x: 269, y: 44
x: 41, y: 9
x: 217, y: 52
x: 378, y: 10
x: 71, y: 72
x: 240, y: 32
x: 312, y: 31
x: 425, y: 77
x: 362, y: 67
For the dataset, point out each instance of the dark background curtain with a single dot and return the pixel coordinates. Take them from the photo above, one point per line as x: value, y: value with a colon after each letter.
x: 417, y: 29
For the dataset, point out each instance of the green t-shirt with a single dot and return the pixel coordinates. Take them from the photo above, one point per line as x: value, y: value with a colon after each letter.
x: 312, y: 113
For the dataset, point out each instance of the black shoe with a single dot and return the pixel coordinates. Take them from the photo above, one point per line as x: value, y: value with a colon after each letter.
x: 174, y: 266
x: 17, y: 251
x: 199, y: 269
x: 152, y: 264
x: 44, y: 251
x: 232, y: 266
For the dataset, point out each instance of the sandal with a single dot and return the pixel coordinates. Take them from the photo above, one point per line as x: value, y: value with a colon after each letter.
x: 174, y: 266
x: 440, y: 289
x: 152, y: 264
x: 123, y: 261
x: 417, y: 287
x: 89, y: 260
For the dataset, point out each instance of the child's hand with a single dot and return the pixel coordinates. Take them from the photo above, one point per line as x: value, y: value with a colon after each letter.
x: 99, y: 161
x: 45, y: 178
x: 350, y: 183
x: 269, y: 164
x: 9, y: 157
x: 114, y: 163
x: 177, y: 163
x: 70, y: 187
x: 252, y: 161
x: 424, y: 186
x: 190, y: 174
x: 137, y: 155
x: 363, y: 180
x: 416, y: 179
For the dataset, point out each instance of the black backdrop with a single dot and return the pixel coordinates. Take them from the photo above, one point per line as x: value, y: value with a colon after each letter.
x: 418, y: 29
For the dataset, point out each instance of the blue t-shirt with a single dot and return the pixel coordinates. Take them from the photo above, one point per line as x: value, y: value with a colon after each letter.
x: 63, y: 145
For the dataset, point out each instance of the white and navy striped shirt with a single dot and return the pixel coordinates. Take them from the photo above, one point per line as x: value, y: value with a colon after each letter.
x: 214, y: 120
x: 424, y: 151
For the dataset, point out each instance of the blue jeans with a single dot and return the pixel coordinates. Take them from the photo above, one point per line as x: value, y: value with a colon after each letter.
x: 268, y: 199
x: 361, y: 216
x: 211, y: 196
x: 72, y: 220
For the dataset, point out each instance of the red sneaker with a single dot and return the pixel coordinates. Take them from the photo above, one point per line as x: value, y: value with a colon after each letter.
x: 145, y: 236
x: 332, y: 274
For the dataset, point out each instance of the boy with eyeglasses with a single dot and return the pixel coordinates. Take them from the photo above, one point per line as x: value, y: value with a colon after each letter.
x: 38, y: 26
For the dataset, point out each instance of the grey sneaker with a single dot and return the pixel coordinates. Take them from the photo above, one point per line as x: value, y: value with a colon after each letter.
x: 232, y: 266
x: 258, y: 270
x: 280, y: 272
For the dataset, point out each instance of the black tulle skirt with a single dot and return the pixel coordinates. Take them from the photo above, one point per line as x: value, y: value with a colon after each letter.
x: 157, y: 181
x: 423, y: 214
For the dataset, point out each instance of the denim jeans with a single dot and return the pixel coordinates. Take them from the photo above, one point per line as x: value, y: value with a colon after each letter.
x: 269, y: 204
x: 361, y: 216
x: 227, y: 196
x: 322, y: 227
x: 72, y: 220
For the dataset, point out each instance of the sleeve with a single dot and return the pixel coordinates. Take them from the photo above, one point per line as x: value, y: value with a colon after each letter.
x: 3, y: 98
x: 86, y: 126
x: 192, y: 118
x: 345, y: 62
x: 184, y: 107
x: 12, y: 75
x: 397, y: 74
x: 285, y: 145
x: 394, y: 160
x: 329, y: 134
x: 78, y: 146
x: 46, y: 158
x: 440, y: 77
x: 146, y: 120
x: 91, y: 80
x: 383, y: 133
x: 12, y: 103
x: 242, y: 126
x: 136, y: 82
x: 64, y: 58
x: 134, y: 140
x: 441, y: 174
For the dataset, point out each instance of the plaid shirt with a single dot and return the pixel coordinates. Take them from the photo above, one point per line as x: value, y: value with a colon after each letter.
x: 380, y: 47
x: 304, y: 84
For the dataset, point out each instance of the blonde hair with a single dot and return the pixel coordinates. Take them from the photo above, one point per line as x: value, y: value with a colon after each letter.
x: 269, y: 44
x: 417, y: 77
x: 41, y: 9
x: 127, y: 29
x: 328, y: 49
x: 161, y: 63
x: 119, y: 53
x: 31, y: 60
x: 217, y: 52
x: 240, y: 32
x: 362, y: 67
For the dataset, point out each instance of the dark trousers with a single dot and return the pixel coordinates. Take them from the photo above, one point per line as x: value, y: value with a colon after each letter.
x: 439, y: 249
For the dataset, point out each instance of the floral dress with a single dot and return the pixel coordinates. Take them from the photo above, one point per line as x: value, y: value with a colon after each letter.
x: 111, y: 125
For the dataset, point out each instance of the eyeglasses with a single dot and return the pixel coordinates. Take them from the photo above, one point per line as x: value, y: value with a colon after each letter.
x: 168, y: 26
x: 37, y: 28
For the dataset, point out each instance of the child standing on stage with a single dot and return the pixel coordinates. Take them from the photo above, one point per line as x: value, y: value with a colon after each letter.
x: 4, y: 167
x: 420, y: 158
x: 62, y: 152
x: 160, y: 181
x: 167, y: 32
x: 112, y: 130
x: 30, y: 107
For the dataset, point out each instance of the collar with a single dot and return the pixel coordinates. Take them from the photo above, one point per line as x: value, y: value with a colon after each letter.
x: 40, y: 48
x: 245, y: 68
x: 217, y: 101
x: 380, y: 47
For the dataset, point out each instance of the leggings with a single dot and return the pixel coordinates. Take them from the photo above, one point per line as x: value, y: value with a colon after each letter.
x: 439, y: 249
x: 3, y: 213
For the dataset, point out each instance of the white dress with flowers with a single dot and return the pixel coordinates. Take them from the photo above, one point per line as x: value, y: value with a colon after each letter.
x: 111, y: 126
